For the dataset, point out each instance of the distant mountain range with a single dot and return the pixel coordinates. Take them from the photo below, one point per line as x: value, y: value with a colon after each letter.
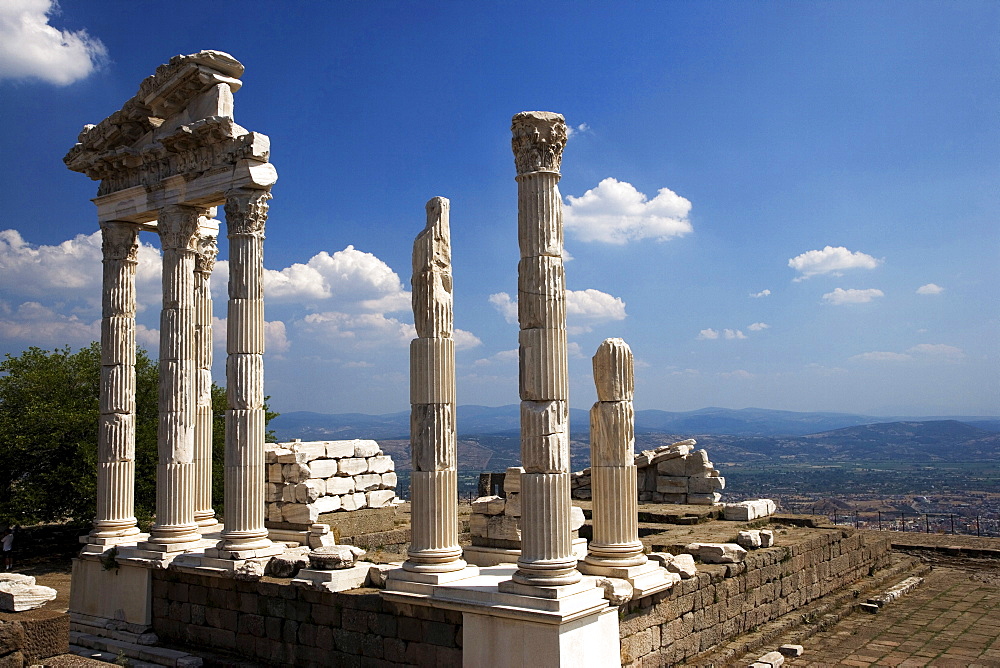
x: 505, y: 420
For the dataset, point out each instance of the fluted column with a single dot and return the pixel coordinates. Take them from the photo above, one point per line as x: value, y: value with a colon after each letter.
x: 175, y: 528
x: 208, y: 249
x: 546, y: 550
x: 244, y: 532
x: 434, y: 544
x: 115, y: 519
x: 612, y: 469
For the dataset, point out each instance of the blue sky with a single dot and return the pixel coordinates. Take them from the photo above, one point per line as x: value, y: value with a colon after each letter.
x: 789, y: 205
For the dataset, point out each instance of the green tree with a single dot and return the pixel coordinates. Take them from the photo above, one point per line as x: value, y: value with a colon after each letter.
x: 49, y: 412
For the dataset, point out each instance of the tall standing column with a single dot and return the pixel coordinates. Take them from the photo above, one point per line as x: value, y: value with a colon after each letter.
x: 612, y: 460
x: 208, y: 249
x: 546, y: 546
x: 115, y: 519
x: 244, y: 532
x: 175, y: 529
x: 434, y: 544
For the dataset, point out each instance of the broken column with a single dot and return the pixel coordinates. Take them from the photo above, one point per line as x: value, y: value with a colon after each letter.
x: 615, y: 550
x: 208, y: 249
x: 244, y: 534
x: 115, y: 518
x: 175, y: 528
x: 546, y: 555
x: 612, y: 441
x: 434, y: 544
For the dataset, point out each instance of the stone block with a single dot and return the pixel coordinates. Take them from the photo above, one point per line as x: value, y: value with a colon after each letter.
x: 308, y: 491
x: 339, y: 449
x: 355, y: 501
x: 367, y: 482
x: 612, y: 433
x: 352, y: 466
x: 324, y: 468
x: 274, y: 473
x: 334, y: 557
x: 432, y: 436
x: 543, y: 355
x: 697, y: 463
x: 488, y: 505
x: 311, y: 450
x: 274, y: 512
x: 288, y: 493
x: 683, y: 565
x: 512, y: 479
x: 272, y: 492
x: 513, y: 505
x: 721, y: 553
x: 296, y: 472
x: 327, y: 504
x: 299, y: 513
x: 477, y: 524
x: 19, y: 596
x: 432, y: 371
x: 706, y: 485
x: 671, y: 484
x: 340, y: 485
x: 749, y: 539
x: 380, y: 498
x: 791, y: 650
x: 502, y: 527
x: 576, y: 518
x: 772, y: 660
x: 672, y: 467
x: 389, y: 480
x: 381, y: 464
x: 704, y: 499
x: 271, y: 454
x: 545, y: 436
x: 366, y: 448
x: 284, y: 456
x: 766, y: 538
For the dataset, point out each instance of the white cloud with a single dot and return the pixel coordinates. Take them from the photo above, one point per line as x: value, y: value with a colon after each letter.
x: 733, y: 334
x: 502, y: 357
x: 359, y: 330
x: 883, y: 356
x: 851, y: 296
x: 707, y: 334
x: 505, y: 306
x: 741, y: 374
x: 758, y: 326
x: 762, y: 293
x: 465, y: 340
x: 579, y: 129
x: 938, y: 350
x: 830, y: 260
x: 584, y: 308
x: 616, y: 213
x: 31, y: 48
x: 574, y: 351
x: 930, y: 289
x: 41, y: 325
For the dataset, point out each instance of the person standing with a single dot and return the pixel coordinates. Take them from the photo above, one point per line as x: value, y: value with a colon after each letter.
x: 8, y: 549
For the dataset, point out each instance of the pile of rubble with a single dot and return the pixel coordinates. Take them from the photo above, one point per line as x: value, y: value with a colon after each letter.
x: 674, y: 473
x: 308, y: 479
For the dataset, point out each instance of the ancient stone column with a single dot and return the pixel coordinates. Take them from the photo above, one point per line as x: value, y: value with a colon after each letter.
x: 208, y: 249
x: 244, y: 532
x: 546, y: 553
x: 115, y: 519
x: 612, y: 455
x: 175, y: 528
x: 434, y: 544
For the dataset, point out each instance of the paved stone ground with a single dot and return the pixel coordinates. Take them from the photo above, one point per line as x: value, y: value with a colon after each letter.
x: 952, y: 619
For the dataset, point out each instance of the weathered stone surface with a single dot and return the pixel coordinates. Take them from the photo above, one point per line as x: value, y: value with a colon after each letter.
x: 288, y: 563
x: 746, y: 511
x: 616, y: 590
x: 334, y: 557
x: 706, y: 485
x: 324, y: 468
x: 503, y: 527
x: 488, y: 505
x: 614, y: 373
x: 513, y: 505
x: 18, y: 596
x: 749, y: 539
x: 340, y: 485
x: 299, y: 513
x: 672, y: 484
x: 380, y: 498
x: 367, y: 482
x: 354, y: 501
x: 766, y: 538
x: 791, y: 650
x: 366, y: 448
x: 381, y: 464
x: 721, y: 553
x: 512, y: 479
x: 339, y: 449
x: 352, y: 466
x: 703, y: 499
x: 612, y: 433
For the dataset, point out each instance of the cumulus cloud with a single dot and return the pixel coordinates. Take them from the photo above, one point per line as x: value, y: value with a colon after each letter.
x: 41, y: 325
x: 831, y: 260
x: 30, y: 48
x: 465, y: 340
x: 930, y: 289
x: 758, y: 326
x: 579, y: 129
x: 707, y: 335
x: 733, y: 334
x: 616, y: 213
x: 362, y: 330
x: 762, y: 293
x: 584, y: 308
x: 851, y: 296
x: 505, y: 306
x: 502, y: 357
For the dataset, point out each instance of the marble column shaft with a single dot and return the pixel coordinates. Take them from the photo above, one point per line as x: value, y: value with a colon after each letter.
x: 613, y: 474
x: 175, y: 475
x: 546, y: 552
x: 208, y: 249
x: 434, y: 544
x: 246, y: 215
x: 115, y: 517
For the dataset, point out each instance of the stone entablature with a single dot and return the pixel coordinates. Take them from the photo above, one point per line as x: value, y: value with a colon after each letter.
x: 308, y: 479
x: 675, y: 473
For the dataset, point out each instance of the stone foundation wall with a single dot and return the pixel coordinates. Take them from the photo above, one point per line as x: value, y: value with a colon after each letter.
x: 277, y: 624
x: 726, y: 600
x: 311, y: 478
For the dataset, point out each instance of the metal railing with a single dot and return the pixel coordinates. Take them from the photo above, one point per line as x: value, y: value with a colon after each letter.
x: 979, y: 524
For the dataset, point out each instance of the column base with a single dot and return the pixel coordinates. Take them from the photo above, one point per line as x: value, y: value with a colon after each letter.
x: 240, y: 552
x: 435, y: 561
x: 423, y: 583
x: 646, y: 579
x: 205, y: 519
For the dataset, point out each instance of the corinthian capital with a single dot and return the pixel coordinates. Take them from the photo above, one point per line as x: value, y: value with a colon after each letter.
x: 120, y: 241
x: 246, y: 211
x: 178, y: 227
x: 208, y: 250
x: 538, y: 142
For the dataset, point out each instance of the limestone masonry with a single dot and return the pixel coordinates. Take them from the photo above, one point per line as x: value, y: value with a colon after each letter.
x: 308, y: 479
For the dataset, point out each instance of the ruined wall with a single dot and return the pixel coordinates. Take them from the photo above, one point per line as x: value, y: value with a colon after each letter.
x: 726, y: 600
x: 674, y: 473
x: 278, y: 624
x: 308, y: 479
